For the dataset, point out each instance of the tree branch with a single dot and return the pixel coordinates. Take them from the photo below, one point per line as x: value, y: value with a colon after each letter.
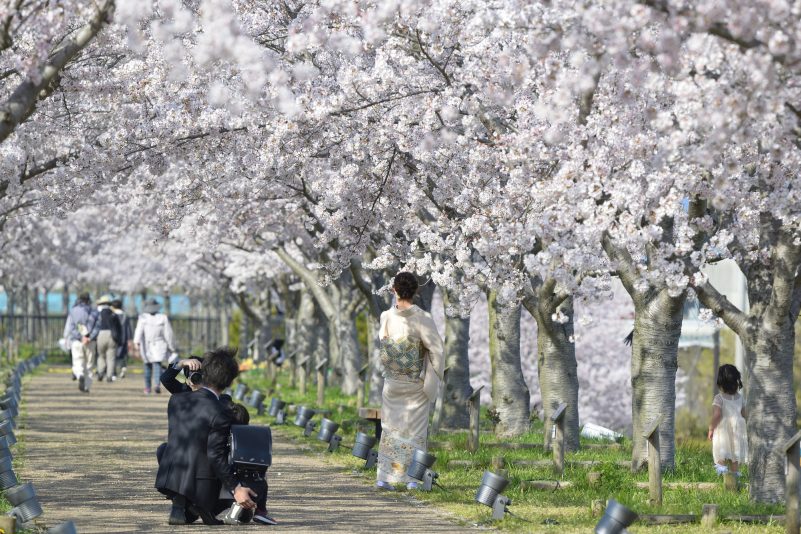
x: 721, y: 306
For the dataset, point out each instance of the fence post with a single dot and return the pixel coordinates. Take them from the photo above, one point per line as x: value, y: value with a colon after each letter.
x: 362, y: 380
x: 321, y: 382
x: 558, y: 439
x: 651, y: 433
x: 474, y: 406
x: 792, y: 521
x: 436, y: 420
x: 303, y: 365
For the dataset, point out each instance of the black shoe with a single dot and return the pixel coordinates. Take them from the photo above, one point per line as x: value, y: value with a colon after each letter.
x: 74, y: 378
x: 82, y: 384
x: 204, y: 516
x: 178, y: 511
x: 100, y: 376
x: 261, y: 518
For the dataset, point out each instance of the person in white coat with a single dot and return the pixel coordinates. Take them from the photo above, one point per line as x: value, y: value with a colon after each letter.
x: 153, y: 337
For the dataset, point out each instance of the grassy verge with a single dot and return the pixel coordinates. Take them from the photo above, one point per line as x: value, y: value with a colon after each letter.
x: 563, y: 510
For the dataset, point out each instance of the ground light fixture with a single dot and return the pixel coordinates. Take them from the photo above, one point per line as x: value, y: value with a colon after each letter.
x: 7, y: 431
x: 240, y: 392
x: 256, y: 400
x: 420, y: 469
x: 67, y: 527
x: 303, y: 416
x: 616, y: 518
x: 489, y: 494
x: 278, y: 410
x: 8, y: 479
x: 363, y: 448
x: 328, y: 433
x: 26, y: 505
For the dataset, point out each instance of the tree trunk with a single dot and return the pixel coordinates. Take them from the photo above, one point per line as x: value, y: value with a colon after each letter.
x: 376, y: 378
x: 457, y: 380
x: 654, y: 362
x: 349, y: 353
x: 557, y: 370
x: 222, y: 306
x: 65, y: 299
x: 510, y: 395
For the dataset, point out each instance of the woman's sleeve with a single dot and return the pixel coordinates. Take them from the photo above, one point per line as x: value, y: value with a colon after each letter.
x: 168, y: 334
x: 433, y: 344
x: 717, y: 401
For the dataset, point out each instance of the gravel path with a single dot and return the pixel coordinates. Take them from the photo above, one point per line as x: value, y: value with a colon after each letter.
x: 92, y: 459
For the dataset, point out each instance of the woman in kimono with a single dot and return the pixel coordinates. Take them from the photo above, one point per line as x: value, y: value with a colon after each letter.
x: 411, y: 354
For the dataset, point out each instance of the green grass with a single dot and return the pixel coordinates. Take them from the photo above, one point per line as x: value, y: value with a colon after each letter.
x: 569, y: 507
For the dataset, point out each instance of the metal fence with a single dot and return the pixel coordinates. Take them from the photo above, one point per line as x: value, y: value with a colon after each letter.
x: 192, y: 334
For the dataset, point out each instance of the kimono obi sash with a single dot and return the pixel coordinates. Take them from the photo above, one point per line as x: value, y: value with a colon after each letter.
x: 402, y: 359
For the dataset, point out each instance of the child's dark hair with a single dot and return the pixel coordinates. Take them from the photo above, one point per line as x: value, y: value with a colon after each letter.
x: 240, y: 414
x: 729, y: 380
x: 405, y: 285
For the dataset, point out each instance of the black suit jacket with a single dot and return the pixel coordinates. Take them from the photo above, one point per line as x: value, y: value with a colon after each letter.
x: 195, y: 462
x: 171, y: 383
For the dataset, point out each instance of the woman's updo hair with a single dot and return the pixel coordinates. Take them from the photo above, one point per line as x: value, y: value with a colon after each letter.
x: 405, y: 285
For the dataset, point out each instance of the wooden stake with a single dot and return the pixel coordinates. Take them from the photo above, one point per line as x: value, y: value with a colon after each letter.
x: 436, y: 420
x: 558, y: 439
x: 709, y: 516
x: 474, y: 406
x: 360, y: 391
x: 792, y: 521
x: 303, y: 367
x: 654, y: 461
x: 321, y: 382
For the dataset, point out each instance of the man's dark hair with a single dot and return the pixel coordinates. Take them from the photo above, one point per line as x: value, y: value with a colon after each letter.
x: 729, y: 379
x: 116, y: 303
x: 405, y: 285
x: 220, y: 368
x: 241, y: 415
x: 84, y: 298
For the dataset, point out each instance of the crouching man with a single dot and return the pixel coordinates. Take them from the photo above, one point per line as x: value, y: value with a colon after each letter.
x: 194, y: 465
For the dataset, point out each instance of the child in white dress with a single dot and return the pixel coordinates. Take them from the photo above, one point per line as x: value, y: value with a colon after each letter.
x: 727, y: 429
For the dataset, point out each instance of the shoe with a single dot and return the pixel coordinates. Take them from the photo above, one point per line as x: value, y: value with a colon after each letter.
x: 113, y: 378
x: 110, y: 379
x: 82, y: 384
x: 177, y: 515
x: 262, y: 518
x: 74, y: 378
x: 206, y: 517
x: 411, y: 486
x: 122, y: 372
x: 721, y: 469
x: 386, y: 486
x: 158, y: 391
x: 100, y: 376
x: 147, y: 391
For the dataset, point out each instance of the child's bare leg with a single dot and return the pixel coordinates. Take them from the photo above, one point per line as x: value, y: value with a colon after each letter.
x: 733, y: 466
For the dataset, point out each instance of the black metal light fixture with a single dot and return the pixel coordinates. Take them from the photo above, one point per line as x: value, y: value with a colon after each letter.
x: 67, y: 527
x: 256, y: 400
x: 240, y: 392
x: 616, y: 518
x: 278, y: 410
x: 7, y: 431
x: 420, y: 469
x: 8, y: 478
x: 327, y: 433
x: 489, y: 494
x: 26, y: 505
x: 303, y: 416
x: 363, y: 448
x: 308, y: 430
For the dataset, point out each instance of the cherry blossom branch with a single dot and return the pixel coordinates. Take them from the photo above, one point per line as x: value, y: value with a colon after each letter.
x: 22, y: 102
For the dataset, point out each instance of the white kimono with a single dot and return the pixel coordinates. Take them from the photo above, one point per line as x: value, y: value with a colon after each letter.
x: 413, y: 361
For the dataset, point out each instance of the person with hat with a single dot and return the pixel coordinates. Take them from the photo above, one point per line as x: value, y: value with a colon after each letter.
x: 153, y: 337
x: 108, y: 339
x: 81, y: 330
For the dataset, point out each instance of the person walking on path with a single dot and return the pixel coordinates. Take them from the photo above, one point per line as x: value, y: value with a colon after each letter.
x: 121, y: 364
x: 411, y: 354
x: 154, y: 339
x: 81, y: 330
x: 108, y: 339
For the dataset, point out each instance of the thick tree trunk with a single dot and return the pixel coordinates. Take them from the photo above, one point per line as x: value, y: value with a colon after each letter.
x: 771, y: 407
x: 557, y: 370
x: 654, y: 362
x: 376, y: 376
x: 457, y: 379
x: 510, y: 395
